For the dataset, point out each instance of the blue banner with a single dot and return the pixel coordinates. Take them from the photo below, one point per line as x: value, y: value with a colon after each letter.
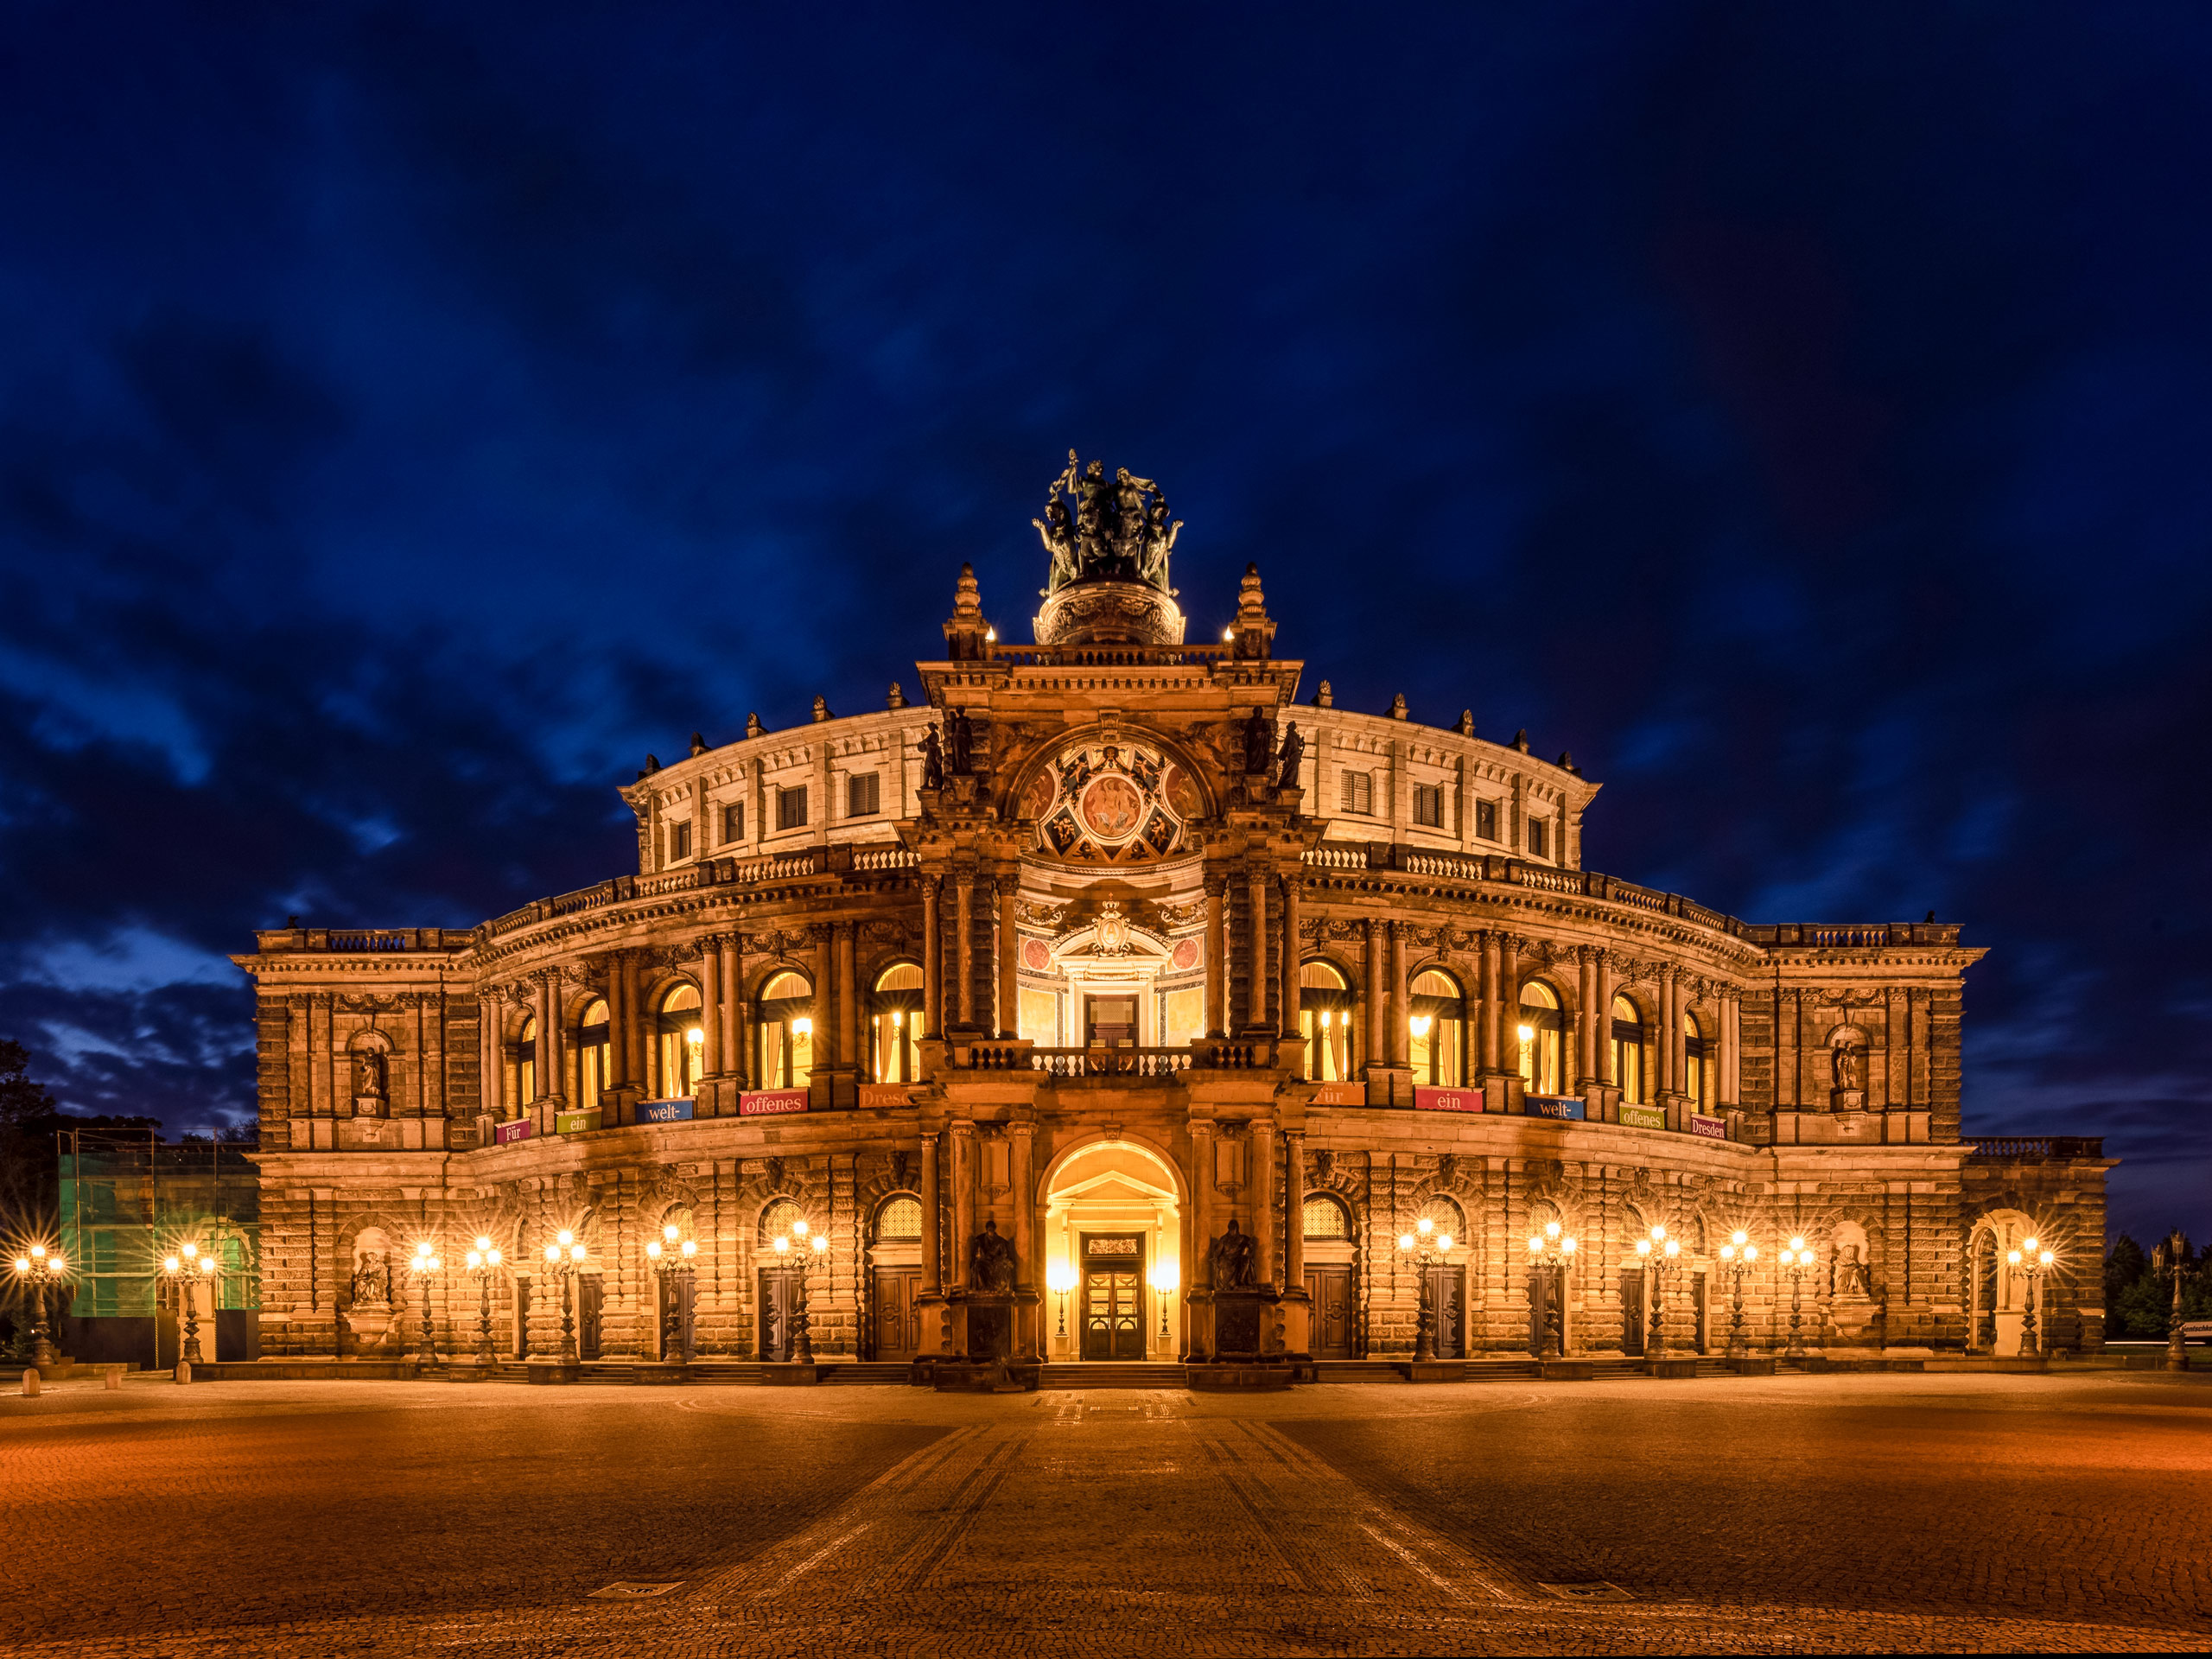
x: 664, y: 1111
x: 1559, y: 1106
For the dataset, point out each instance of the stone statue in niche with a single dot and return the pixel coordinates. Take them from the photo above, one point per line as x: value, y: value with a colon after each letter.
x: 1259, y: 743
x: 372, y: 1283
x: 1230, y: 1257
x: 1854, y: 1278
x: 1848, y: 1065
x: 990, y: 1263
x: 932, y: 759
x: 964, y: 743
x: 368, y: 1075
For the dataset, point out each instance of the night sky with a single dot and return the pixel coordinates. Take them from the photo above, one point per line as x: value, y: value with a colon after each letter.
x: 409, y: 417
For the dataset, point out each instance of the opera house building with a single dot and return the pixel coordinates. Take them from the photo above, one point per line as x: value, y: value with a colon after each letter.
x: 1118, y: 997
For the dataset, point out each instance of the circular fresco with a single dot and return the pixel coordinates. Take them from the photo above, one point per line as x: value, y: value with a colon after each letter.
x: 1186, y: 953
x: 1116, y: 803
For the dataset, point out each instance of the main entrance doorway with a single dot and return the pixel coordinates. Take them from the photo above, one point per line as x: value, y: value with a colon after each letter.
x: 1113, y: 1296
x: 1330, y: 1289
x: 898, y: 1322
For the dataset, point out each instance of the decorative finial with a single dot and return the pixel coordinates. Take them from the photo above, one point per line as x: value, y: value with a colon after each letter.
x: 821, y: 709
x: 653, y: 763
x: 754, y: 727
x: 1567, y: 763
x: 1398, y: 707
x: 1520, y: 740
x: 698, y: 744
x: 1467, y: 722
x: 897, y: 699
x: 1326, y: 697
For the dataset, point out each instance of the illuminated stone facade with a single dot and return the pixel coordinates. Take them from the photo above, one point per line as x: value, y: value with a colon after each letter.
x: 1062, y: 953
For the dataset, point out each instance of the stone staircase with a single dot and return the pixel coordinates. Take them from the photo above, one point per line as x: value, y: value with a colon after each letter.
x: 1116, y: 1374
x: 866, y: 1372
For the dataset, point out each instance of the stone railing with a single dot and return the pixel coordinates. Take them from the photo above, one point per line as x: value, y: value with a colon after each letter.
x: 1110, y: 655
x: 1109, y: 1062
x: 373, y: 938
x: 1206, y: 1054
x: 778, y: 866
x: 2033, y: 1148
x: 885, y: 858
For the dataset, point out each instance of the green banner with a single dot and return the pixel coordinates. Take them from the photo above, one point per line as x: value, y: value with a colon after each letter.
x: 1642, y: 1117
x: 576, y: 1122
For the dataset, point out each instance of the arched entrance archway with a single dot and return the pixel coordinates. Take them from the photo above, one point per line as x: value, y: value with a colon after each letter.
x: 1998, y: 1293
x: 1114, y: 1252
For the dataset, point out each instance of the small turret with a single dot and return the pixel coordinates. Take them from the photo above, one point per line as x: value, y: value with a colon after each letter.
x: 966, y: 633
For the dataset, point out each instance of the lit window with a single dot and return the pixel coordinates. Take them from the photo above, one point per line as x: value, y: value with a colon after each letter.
x: 1437, y: 1020
x: 522, y: 1068
x: 681, y: 1044
x: 1358, y: 792
x: 895, y: 1023
x: 786, y: 1032
x: 899, y: 1219
x: 1428, y: 805
x: 791, y: 808
x: 1542, y: 1035
x: 1324, y: 1218
x: 1628, y: 1050
x: 1694, y: 1057
x: 592, y: 1049
x: 1325, y: 1018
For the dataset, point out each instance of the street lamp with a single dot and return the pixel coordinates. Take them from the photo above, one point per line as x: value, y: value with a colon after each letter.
x: 184, y: 1271
x: 1549, y: 1252
x: 37, y: 1272
x: 1795, y: 1259
x: 483, y: 1262
x: 802, y: 1244
x: 1737, y: 1257
x: 1165, y: 1278
x: 425, y: 1266
x: 1059, y: 1279
x: 2172, y: 1257
x: 2032, y: 1261
x: 1660, y: 1252
x: 564, y: 1256
x: 673, y: 1259
x: 1425, y: 1246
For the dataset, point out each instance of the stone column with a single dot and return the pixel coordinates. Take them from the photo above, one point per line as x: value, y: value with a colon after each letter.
x: 932, y: 1272
x: 1294, y: 1210
x: 1291, y: 951
x: 964, y: 1200
x: 1378, y: 1013
x: 1255, y: 1010
x: 490, y: 1073
x: 1217, y: 960
x: 963, y: 921
x: 1892, y: 1048
x: 733, y: 1040
x: 1728, y: 1090
x: 544, y: 1056
x: 1669, y: 1021
x: 1263, y: 1200
x: 710, y: 1010
x: 1197, y: 1271
x: 1020, y: 1151
x: 1487, y: 1011
x: 1009, y: 947
x: 1401, y: 1036
x: 1586, y: 1019
x: 634, y: 1026
x: 933, y: 963
x: 848, y: 1034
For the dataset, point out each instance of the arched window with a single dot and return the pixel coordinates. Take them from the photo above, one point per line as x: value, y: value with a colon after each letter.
x: 1438, y: 1020
x: 1326, y: 1218
x: 677, y: 1215
x: 1542, y: 1040
x: 522, y: 1068
x: 1693, y: 1067
x: 1628, y: 1050
x: 776, y: 1220
x: 1325, y: 1013
x: 786, y: 1032
x: 895, y: 1024
x: 592, y: 1052
x: 682, y: 1043
x: 899, y: 1219
x: 1445, y: 1216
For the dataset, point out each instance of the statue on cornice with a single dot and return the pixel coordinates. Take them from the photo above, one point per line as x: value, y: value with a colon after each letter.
x: 1293, y: 756
x: 932, y: 759
x: 1120, y: 530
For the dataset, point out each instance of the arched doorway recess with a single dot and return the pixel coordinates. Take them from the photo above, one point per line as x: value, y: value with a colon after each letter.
x: 1114, y: 1249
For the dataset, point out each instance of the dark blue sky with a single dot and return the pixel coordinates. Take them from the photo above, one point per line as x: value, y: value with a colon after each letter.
x: 410, y: 416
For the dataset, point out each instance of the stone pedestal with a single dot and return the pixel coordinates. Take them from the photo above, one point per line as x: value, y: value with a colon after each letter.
x: 1847, y: 1100
x: 1246, y: 1323
x: 372, y: 1326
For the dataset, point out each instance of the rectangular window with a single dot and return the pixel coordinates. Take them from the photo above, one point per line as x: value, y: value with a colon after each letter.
x: 863, y: 794
x: 1537, y: 838
x: 1428, y: 805
x: 734, y: 821
x: 791, y: 808
x: 1359, y: 792
x: 1486, y: 820
x: 679, y: 840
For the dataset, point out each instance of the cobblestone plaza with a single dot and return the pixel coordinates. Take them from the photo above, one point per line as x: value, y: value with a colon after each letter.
x: 1786, y: 1513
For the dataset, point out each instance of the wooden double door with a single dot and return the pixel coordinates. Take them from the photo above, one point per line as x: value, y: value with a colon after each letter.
x: 1112, y: 1308
x: 898, y: 1322
x: 1329, y: 1289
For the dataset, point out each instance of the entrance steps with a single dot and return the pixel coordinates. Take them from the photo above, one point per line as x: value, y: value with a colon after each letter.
x: 870, y: 1372
x: 1112, y: 1374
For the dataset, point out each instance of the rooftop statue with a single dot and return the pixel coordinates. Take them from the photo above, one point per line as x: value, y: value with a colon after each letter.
x: 1120, y: 530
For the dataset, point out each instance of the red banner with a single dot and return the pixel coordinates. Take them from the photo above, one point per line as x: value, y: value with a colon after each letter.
x: 772, y: 1103
x: 1447, y: 1100
x: 1340, y: 1094
x: 877, y: 1095
x: 1712, y: 1129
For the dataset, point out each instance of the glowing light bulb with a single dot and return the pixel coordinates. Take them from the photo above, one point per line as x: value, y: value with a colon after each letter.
x: 652, y: 1250
x: 1527, y: 1033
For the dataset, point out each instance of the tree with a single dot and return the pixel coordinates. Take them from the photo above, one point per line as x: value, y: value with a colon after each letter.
x: 2124, y: 1264
x: 22, y: 1101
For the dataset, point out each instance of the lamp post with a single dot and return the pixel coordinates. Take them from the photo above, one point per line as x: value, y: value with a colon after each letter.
x: 2032, y: 1261
x: 185, y: 1270
x: 802, y: 1244
x: 563, y: 1256
x: 483, y: 1262
x: 1549, y: 1252
x: 424, y: 1266
x: 1659, y: 1252
x: 1424, y: 1247
x: 1165, y: 1278
x: 672, y: 1257
x: 1059, y: 1279
x: 1738, y: 1256
x: 1795, y: 1259
x: 2172, y: 1257
x: 38, y: 1271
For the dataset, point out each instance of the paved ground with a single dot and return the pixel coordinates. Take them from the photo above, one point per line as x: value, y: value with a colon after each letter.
x: 1795, y: 1514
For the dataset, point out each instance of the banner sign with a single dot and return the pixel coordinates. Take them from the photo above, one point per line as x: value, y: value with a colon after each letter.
x: 576, y: 1122
x: 1568, y: 1107
x: 1447, y: 1100
x: 1712, y: 1129
x: 505, y: 1134
x: 1642, y: 1117
x: 771, y: 1102
x: 877, y: 1095
x: 1340, y: 1094
x: 666, y: 1111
